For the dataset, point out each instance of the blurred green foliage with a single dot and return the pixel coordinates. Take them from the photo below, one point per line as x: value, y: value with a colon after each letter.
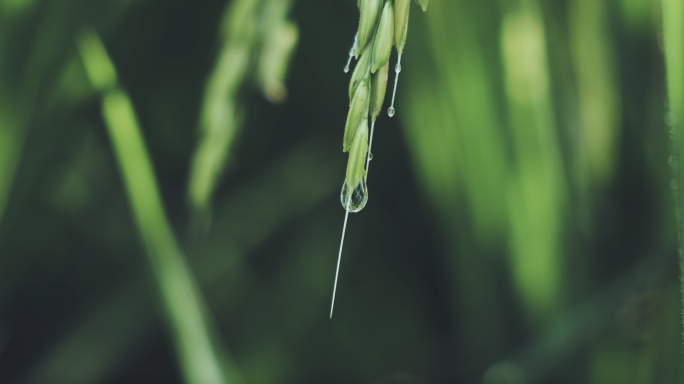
x: 519, y: 229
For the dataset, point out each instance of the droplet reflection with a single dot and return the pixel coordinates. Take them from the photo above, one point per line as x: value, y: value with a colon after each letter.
x: 359, y: 197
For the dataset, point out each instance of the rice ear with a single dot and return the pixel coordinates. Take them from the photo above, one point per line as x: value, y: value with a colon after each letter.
x: 378, y: 89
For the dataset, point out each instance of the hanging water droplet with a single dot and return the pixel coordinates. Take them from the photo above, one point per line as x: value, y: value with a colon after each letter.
x: 352, y: 52
x: 397, y: 69
x: 359, y: 196
x: 672, y: 160
x: 370, y: 156
x: 355, y: 46
x: 670, y: 119
x: 673, y: 134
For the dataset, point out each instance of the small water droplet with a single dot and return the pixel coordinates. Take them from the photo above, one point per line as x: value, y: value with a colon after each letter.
x: 670, y: 119
x: 355, y: 46
x: 674, y: 184
x: 346, y: 67
x: 352, y: 51
x: 359, y: 197
x: 370, y: 156
x: 397, y: 68
x: 673, y: 134
x: 672, y: 160
x: 390, y: 111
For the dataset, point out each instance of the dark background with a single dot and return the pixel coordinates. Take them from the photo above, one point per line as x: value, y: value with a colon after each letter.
x: 460, y: 198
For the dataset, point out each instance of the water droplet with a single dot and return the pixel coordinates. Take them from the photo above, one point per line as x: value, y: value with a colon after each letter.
x: 670, y: 119
x: 359, y: 197
x: 672, y: 160
x: 346, y: 67
x: 370, y: 156
x: 674, y: 184
x: 397, y: 69
x: 355, y: 46
x: 673, y: 134
x: 352, y: 51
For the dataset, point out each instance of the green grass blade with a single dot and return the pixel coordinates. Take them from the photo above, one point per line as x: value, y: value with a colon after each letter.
x: 178, y: 287
x: 455, y: 138
x: 185, y: 309
x: 11, y: 143
x: 673, y: 30
x: 598, y: 97
x: 537, y: 194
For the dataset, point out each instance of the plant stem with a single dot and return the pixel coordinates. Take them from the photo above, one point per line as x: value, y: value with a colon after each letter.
x: 673, y: 34
x: 185, y: 308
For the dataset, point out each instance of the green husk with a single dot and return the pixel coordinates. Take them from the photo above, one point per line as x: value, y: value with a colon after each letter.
x: 382, y: 43
x: 357, y: 112
x: 357, y: 156
x: 401, y: 17
x: 378, y: 89
x: 360, y: 72
x: 370, y: 10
